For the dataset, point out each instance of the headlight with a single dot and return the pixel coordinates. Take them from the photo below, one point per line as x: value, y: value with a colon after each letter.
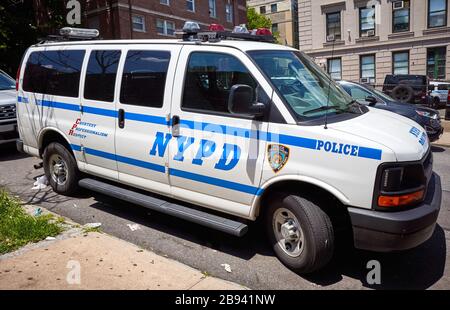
x: 427, y: 114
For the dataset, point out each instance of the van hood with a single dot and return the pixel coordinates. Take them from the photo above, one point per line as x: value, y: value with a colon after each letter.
x: 407, y: 139
x: 8, y: 96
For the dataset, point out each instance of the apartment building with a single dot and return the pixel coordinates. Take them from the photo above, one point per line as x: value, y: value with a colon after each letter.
x: 284, y: 17
x: 158, y: 19
x: 363, y: 40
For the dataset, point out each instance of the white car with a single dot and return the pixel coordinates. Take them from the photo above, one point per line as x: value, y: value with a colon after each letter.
x: 8, y: 98
x: 439, y: 93
x: 238, y: 127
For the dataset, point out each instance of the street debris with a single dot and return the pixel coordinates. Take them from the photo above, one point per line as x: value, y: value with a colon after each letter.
x: 37, y: 212
x: 50, y: 238
x: 227, y: 267
x: 92, y: 225
x: 134, y: 227
x: 41, y: 183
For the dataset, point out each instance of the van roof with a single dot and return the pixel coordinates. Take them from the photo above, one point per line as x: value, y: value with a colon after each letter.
x: 238, y: 44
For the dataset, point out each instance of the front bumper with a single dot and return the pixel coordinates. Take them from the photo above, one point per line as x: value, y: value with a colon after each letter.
x: 8, y: 131
x: 394, y: 231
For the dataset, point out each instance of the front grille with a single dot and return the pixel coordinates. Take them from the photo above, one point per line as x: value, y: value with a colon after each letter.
x: 8, y: 111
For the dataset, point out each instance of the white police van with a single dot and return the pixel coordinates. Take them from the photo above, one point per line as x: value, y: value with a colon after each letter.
x: 227, y: 128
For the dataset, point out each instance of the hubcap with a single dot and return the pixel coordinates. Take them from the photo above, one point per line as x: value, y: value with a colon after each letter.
x: 58, y: 169
x: 288, y: 232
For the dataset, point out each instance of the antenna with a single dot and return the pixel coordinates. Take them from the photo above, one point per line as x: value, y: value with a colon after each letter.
x: 329, y: 88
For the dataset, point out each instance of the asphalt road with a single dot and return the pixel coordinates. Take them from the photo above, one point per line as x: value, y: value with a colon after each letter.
x: 252, y: 261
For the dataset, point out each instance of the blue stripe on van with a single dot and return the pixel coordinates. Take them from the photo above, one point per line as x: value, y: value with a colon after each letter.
x: 175, y: 172
x: 217, y: 182
x: 302, y: 142
x: 370, y: 153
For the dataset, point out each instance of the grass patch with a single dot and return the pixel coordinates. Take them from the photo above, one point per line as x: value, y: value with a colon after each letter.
x: 17, y: 228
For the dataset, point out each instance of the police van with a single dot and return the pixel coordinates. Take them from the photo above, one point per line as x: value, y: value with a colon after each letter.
x: 222, y: 128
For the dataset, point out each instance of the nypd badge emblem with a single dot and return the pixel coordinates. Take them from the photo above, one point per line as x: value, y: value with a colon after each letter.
x: 278, y: 156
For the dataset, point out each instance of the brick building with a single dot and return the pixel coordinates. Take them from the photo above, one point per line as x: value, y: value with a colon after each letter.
x: 363, y: 40
x: 158, y: 19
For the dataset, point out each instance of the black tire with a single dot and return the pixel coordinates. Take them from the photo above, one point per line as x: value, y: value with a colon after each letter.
x: 403, y: 93
x: 58, y: 150
x: 316, y: 227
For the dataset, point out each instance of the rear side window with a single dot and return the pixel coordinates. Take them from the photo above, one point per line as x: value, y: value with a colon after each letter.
x: 144, y: 78
x: 54, y: 72
x: 101, y: 75
x: 209, y: 79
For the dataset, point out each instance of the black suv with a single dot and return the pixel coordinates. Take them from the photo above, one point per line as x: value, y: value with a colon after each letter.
x: 407, y: 88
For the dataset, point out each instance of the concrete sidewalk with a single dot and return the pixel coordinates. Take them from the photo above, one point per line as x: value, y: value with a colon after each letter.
x: 79, y: 260
x: 445, y: 138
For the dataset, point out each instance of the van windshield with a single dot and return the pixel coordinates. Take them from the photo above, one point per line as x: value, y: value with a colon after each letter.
x: 309, y: 91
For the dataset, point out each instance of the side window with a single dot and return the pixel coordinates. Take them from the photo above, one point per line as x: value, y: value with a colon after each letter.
x: 357, y: 93
x: 209, y: 78
x: 101, y: 75
x: 54, y: 72
x: 144, y: 78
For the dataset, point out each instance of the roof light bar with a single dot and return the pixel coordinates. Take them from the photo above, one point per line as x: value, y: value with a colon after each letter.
x: 79, y: 33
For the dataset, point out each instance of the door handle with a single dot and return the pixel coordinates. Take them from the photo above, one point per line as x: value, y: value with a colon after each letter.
x: 175, y: 126
x: 121, y: 117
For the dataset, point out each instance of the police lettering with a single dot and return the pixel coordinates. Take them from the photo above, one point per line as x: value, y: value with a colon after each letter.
x: 338, y: 148
x: 228, y: 160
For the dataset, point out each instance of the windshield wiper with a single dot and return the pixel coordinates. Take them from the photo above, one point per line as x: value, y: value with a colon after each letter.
x: 324, y: 108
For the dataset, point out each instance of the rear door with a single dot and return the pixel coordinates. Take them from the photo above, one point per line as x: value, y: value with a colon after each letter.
x: 96, y: 127
x: 142, y: 132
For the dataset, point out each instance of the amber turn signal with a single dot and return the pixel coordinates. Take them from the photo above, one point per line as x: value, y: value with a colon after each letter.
x: 400, y: 200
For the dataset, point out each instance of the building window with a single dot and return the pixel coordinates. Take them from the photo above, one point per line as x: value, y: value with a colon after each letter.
x: 262, y: 9
x: 400, y: 16
x: 437, y: 13
x: 274, y: 28
x: 212, y: 8
x: 138, y: 23
x: 400, y: 63
x: 334, y: 25
x: 229, y: 11
x: 436, y: 62
x: 166, y: 2
x: 165, y: 27
x: 190, y: 5
x: 334, y: 68
x: 273, y: 8
x: 367, y: 68
x: 367, y: 21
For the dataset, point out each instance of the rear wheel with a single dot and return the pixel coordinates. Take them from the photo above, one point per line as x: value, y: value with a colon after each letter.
x: 60, y: 169
x: 300, y: 233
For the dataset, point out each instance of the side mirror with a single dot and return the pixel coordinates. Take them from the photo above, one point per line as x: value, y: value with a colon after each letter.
x: 240, y: 101
x: 371, y: 100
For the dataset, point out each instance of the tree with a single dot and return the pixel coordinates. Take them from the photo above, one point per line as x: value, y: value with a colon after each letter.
x: 22, y: 23
x: 255, y: 21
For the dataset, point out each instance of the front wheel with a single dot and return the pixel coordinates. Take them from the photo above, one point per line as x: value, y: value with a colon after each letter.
x: 60, y: 168
x: 300, y: 233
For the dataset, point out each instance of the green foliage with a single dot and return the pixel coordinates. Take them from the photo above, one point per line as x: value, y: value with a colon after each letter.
x: 255, y: 20
x: 19, y: 30
x: 17, y: 228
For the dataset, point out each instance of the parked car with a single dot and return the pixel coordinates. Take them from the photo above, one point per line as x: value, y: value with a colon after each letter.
x: 8, y: 98
x: 426, y: 117
x: 408, y: 88
x: 439, y: 93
